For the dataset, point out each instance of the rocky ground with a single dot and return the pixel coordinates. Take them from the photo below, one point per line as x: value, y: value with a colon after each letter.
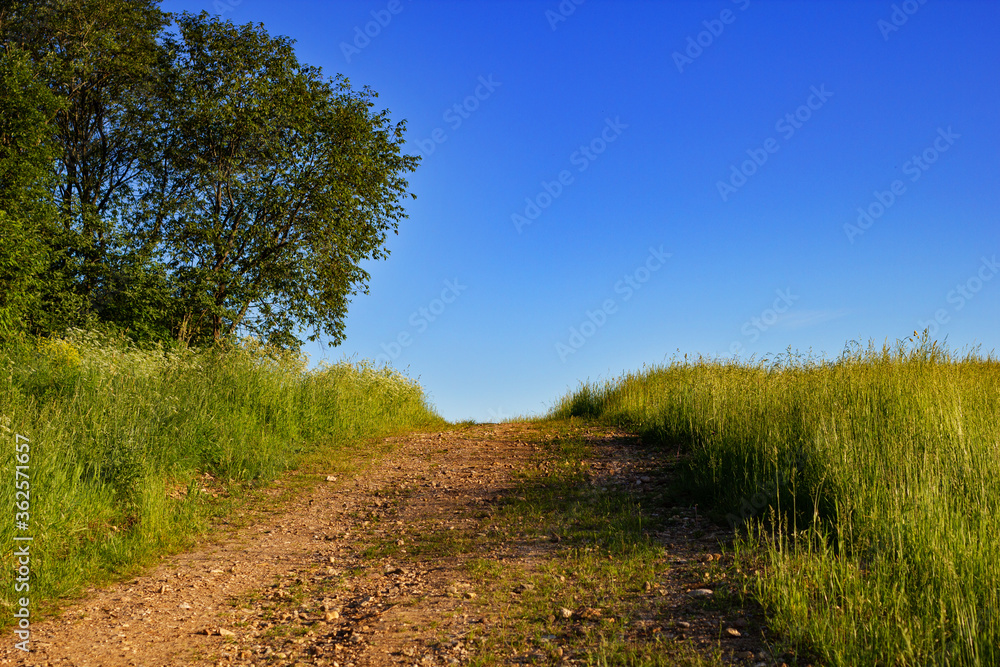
x: 486, y: 544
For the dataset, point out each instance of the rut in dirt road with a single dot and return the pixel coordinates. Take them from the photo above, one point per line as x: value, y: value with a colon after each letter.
x: 538, y: 542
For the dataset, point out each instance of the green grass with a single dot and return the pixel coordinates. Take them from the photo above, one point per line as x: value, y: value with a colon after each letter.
x: 132, y: 451
x: 870, y: 486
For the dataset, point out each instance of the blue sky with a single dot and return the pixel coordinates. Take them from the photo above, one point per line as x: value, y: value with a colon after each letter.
x: 609, y: 184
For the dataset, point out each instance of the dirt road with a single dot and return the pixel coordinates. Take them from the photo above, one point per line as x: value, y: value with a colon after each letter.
x: 491, y: 544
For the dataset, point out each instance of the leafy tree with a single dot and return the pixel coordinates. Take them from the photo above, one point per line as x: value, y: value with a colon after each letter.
x: 101, y: 58
x: 26, y: 207
x: 275, y: 185
x: 205, y: 184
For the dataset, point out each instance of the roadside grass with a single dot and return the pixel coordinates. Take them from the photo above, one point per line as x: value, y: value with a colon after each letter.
x: 869, y: 488
x: 131, y: 453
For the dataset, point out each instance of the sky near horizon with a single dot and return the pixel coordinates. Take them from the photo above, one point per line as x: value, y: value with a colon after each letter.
x: 611, y: 184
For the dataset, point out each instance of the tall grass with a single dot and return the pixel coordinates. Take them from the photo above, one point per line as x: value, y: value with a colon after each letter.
x: 871, y: 485
x: 124, y: 442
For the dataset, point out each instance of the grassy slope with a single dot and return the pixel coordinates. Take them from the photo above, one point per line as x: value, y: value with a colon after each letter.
x: 883, y: 469
x: 131, y: 451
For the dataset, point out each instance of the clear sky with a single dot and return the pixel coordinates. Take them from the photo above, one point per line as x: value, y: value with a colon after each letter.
x: 608, y: 184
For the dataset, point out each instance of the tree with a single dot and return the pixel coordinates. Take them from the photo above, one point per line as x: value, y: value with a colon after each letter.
x: 275, y: 184
x: 206, y: 185
x: 101, y: 59
x: 26, y: 206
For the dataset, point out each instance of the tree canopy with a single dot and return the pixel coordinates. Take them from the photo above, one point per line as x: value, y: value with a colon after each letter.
x: 203, y: 184
x: 26, y: 205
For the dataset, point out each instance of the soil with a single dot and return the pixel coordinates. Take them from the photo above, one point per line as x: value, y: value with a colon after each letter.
x: 334, y: 576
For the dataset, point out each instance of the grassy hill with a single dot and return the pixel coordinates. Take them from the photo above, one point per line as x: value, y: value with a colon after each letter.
x: 870, y: 487
x: 124, y: 453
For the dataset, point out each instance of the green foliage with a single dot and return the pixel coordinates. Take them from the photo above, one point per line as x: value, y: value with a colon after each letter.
x: 206, y: 184
x: 124, y: 438
x: 26, y: 210
x: 276, y: 185
x: 100, y: 59
x: 872, y: 486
